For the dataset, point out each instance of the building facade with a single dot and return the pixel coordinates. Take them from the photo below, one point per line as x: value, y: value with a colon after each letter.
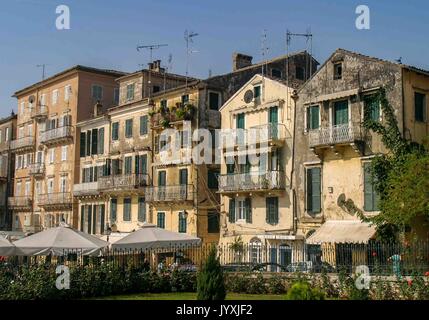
x: 47, y: 145
x: 7, y: 169
x: 333, y: 150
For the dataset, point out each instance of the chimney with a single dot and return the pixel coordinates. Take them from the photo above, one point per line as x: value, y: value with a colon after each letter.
x: 240, y: 61
x: 157, y: 66
x: 150, y: 65
x: 98, y: 109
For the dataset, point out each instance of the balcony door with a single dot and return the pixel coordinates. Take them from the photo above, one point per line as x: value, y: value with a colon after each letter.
x: 341, y: 113
x: 162, y: 181
x: 183, y: 182
x: 240, y: 124
x: 273, y: 120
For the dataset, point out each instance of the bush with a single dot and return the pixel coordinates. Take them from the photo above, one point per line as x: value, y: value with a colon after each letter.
x: 210, y: 284
x: 303, y: 291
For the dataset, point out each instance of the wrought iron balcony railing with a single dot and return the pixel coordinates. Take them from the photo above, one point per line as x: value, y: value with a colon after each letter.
x: 170, y: 193
x: 123, y: 182
x: 55, y: 199
x: 339, y: 134
x: 20, y: 202
x: 267, y: 133
x: 39, y: 113
x: 37, y: 169
x: 57, y: 134
x: 22, y: 144
x: 256, y: 181
x: 86, y: 188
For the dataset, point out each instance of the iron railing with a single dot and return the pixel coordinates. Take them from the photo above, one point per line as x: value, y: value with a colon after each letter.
x: 55, y: 199
x: 85, y: 188
x: 123, y: 181
x: 22, y: 143
x: 339, y: 134
x: 20, y: 202
x: 40, y: 112
x: 271, y: 180
x: 169, y: 193
x: 51, y: 135
x: 265, y: 133
x: 37, y: 169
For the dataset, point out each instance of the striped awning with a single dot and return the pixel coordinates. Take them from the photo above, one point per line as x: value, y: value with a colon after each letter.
x: 334, y: 96
x: 342, y: 231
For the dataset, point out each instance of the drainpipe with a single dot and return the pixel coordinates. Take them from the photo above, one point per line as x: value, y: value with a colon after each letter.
x: 294, y: 97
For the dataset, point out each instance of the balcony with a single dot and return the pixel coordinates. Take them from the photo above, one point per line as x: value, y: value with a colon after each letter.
x: 179, y: 193
x: 173, y: 157
x: 37, y: 170
x: 57, y: 135
x: 23, y: 144
x: 20, y: 203
x: 40, y: 113
x: 344, y: 134
x: 122, y: 182
x: 252, y: 181
x: 86, y: 189
x: 52, y: 201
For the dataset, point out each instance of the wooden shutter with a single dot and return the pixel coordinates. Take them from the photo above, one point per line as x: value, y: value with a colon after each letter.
x: 248, y: 205
x: 137, y: 164
x: 82, y: 218
x: 88, y: 143
x: 341, y: 112
x: 231, y: 214
x: 89, y: 212
x: 113, y: 209
x: 101, y: 141
x: 183, y: 177
x: 142, y: 210
x: 82, y: 144
x: 94, y: 145
x: 314, y: 190
x: 143, y: 125
x: 143, y: 164
x: 371, y: 198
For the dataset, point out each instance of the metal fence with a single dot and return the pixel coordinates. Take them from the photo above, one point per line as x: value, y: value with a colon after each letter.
x: 381, y: 258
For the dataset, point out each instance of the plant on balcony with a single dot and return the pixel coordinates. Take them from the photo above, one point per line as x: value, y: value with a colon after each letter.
x: 265, y: 183
x: 165, y: 123
x: 186, y: 111
x: 152, y: 113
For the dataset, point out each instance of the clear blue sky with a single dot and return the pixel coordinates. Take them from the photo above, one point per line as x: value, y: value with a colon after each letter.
x: 105, y: 33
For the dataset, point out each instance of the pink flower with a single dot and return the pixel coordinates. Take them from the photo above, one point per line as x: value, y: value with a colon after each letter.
x: 427, y: 273
x: 374, y: 254
x: 410, y: 282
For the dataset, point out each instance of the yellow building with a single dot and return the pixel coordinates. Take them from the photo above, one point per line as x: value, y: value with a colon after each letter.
x: 47, y: 146
x: 333, y: 150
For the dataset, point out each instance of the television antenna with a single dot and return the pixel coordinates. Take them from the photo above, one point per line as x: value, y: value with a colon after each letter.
x: 150, y: 48
x: 189, y: 35
x: 264, y: 52
x: 43, y: 66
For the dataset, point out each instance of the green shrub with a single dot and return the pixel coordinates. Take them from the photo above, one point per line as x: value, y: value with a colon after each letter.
x: 276, y: 285
x: 210, y: 283
x: 303, y: 291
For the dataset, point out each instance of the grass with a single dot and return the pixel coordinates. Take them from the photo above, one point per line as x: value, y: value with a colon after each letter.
x: 191, y: 296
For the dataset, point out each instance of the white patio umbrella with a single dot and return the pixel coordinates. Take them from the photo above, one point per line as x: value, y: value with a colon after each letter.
x: 149, y: 236
x: 59, y: 241
x: 6, y: 247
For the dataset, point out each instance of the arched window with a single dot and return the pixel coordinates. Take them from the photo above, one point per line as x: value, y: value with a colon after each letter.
x: 255, y: 250
x: 285, y: 254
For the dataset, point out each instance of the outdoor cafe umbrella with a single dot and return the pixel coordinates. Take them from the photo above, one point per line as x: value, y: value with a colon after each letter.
x: 6, y: 247
x: 150, y: 236
x: 59, y: 241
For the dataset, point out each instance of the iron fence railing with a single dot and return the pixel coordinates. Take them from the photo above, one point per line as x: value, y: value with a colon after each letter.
x: 271, y: 180
x: 37, y: 169
x: 343, y: 133
x: 169, y: 193
x: 56, y: 134
x: 52, y: 199
x: 85, y: 188
x: 20, y: 202
x: 123, y: 181
x: 22, y: 143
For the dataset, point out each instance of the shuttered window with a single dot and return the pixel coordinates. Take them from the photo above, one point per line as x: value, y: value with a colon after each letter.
x: 129, y: 128
x: 371, y: 198
x: 94, y: 145
x: 372, y: 109
x: 128, y: 165
x: 82, y: 144
x: 248, y: 208
x: 143, y: 125
x: 183, y: 177
x: 213, y: 222
x: 182, y: 222
x: 313, y: 117
x: 141, y: 164
x: 212, y: 179
x: 161, y: 220
x: 272, y: 207
x: 341, y: 112
x: 115, y: 131
x: 314, y: 190
x: 127, y: 209
x: 88, y: 143
x: 101, y: 141
x: 231, y: 214
x: 142, y: 210
x: 113, y: 210
x: 419, y: 106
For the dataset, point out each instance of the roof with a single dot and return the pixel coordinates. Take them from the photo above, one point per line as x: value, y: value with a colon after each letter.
x: 70, y: 70
x: 154, y: 72
x: 342, y: 231
x: 7, y: 119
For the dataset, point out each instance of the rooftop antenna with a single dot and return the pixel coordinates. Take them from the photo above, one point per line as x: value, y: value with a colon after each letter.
x: 188, y: 38
x: 210, y: 73
x: 264, y: 52
x: 167, y: 69
x: 399, y: 60
x: 43, y: 66
x: 150, y: 48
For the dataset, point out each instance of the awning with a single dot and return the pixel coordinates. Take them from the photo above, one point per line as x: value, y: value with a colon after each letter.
x: 342, y: 231
x: 334, y: 96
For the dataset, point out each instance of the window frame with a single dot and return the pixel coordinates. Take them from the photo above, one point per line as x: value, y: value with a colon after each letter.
x: 307, y: 209
x: 424, y: 107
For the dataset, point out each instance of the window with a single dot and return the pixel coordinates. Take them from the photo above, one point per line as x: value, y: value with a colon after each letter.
x: 30, y: 130
x: 115, y: 131
x: 419, y: 106
x: 313, y: 117
x: 256, y: 92
x: 129, y: 128
x: 183, y: 177
x: 63, y: 184
x: 299, y: 73
x: 94, y: 142
x: 116, y: 96
x: 50, y: 185
x: 371, y: 198
x: 67, y: 92
x: 64, y: 153
x: 6, y: 135
x: 142, y: 210
x: 130, y: 92
x: 22, y: 110
x: 276, y: 73
x: 21, y: 132
x: 161, y: 220
x: 43, y: 100
x: 185, y: 98
x: 255, y: 251
x: 97, y: 92
x: 371, y: 109
x: 156, y: 89
x: 54, y: 97
x: 27, y: 188
x: 143, y: 125
x: 341, y: 112
x: 313, y: 190
x: 182, y: 222
x: 338, y: 70
x: 51, y: 156
x: 88, y: 143
x: 214, y: 101
x: 213, y: 222
x: 128, y: 165
x: 18, y: 189
x: 212, y: 179
x: 127, y: 209
x: 113, y: 210
x: 272, y: 207
x: 163, y: 104
x: 141, y: 164
x: 244, y: 209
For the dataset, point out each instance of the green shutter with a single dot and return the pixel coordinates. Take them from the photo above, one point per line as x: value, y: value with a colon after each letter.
x: 113, y: 209
x: 341, y: 112
x: 102, y: 218
x: 137, y: 164
x: 143, y: 164
x: 129, y: 128
x: 89, y: 213
x: 94, y: 146
x: 115, y: 131
x: 142, y: 210
x: 272, y: 210
x: 257, y: 91
x: 127, y: 209
x: 419, y: 106
x: 161, y: 178
x: 231, y: 214
x: 161, y: 220
x: 183, y: 179
x: 128, y: 165
x: 82, y: 144
x: 143, y: 125
x: 248, y: 206
x: 240, y: 121
x: 313, y: 117
x: 82, y: 217
x: 101, y: 141
x: 88, y: 143
x: 314, y: 190
x: 182, y: 222
x: 213, y: 222
x: 371, y: 197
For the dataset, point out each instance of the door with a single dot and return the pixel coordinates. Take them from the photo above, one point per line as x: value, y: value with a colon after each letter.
x: 162, y: 180
x: 273, y: 259
x: 273, y: 121
x: 240, y: 124
x: 183, y: 182
x: 341, y: 112
x: 285, y: 255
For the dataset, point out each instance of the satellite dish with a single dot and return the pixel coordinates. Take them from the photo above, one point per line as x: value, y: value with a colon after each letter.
x: 248, y: 96
x: 31, y: 99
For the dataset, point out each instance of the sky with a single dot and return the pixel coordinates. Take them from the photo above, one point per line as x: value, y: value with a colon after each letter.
x: 105, y: 34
